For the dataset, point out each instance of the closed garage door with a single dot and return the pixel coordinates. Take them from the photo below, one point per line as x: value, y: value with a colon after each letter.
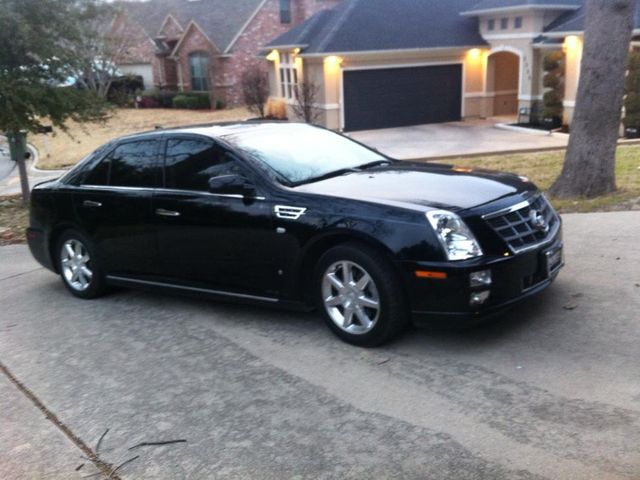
x: 397, y: 97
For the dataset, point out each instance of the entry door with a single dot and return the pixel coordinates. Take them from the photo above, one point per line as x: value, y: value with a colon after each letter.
x: 222, y: 242
x: 113, y: 206
x: 397, y: 97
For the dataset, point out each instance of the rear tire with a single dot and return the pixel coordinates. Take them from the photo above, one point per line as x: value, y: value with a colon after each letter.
x: 78, y: 265
x: 359, y: 295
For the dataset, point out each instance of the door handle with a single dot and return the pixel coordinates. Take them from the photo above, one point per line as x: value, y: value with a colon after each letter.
x: 91, y: 204
x: 167, y: 213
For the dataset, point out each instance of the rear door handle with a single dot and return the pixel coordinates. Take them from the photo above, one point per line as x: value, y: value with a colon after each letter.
x: 167, y: 213
x: 91, y: 204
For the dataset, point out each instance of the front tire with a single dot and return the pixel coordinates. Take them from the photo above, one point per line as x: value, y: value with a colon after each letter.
x: 359, y: 295
x: 78, y: 266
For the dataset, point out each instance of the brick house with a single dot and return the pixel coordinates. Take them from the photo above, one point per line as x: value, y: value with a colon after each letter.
x: 205, y: 45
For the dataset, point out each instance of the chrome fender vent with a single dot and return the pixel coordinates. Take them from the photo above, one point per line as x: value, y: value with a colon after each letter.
x: 289, y: 213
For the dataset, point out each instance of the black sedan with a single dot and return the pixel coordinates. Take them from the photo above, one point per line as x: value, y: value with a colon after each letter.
x: 298, y: 216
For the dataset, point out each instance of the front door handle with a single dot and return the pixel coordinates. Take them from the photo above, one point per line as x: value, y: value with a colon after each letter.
x: 167, y: 213
x: 91, y: 204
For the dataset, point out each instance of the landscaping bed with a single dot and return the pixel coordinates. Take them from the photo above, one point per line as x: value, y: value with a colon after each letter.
x: 14, y: 218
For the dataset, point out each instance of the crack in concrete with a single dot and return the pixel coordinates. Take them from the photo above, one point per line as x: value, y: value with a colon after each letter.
x: 104, y: 467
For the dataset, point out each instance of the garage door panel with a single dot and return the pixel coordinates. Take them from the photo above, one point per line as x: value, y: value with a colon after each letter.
x: 396, y: 97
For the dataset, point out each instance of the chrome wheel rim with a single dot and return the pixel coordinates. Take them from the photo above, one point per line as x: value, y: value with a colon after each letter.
x: 350, y: 297
x: 75, y: 262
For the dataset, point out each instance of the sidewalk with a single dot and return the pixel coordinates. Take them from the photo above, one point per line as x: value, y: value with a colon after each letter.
x: 10, y: 177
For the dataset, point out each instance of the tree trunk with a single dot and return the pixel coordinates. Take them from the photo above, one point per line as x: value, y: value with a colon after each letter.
x: 589, y: 167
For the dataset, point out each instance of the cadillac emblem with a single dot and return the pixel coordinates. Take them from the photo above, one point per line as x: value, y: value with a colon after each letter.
x: 538, y: 222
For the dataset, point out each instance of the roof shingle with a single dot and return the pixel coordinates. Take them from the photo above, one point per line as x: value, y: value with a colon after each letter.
x: 221, y: 20
x: 369, y: 25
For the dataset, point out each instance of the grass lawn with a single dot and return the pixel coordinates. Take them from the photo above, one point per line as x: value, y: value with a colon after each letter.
x: 13, y: 220
x: 66, y: 150
x: 544, y: 167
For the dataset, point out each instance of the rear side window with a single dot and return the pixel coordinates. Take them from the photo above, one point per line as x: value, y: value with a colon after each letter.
x: 190, y: 163
x: 133, y: 164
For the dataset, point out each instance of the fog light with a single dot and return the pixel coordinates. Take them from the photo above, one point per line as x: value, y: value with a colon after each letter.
x: 478, y: 298
x: 480, y: 279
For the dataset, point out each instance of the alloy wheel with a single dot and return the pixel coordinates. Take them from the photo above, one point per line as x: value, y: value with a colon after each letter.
x: 76, y: 265
x: 350, y: 297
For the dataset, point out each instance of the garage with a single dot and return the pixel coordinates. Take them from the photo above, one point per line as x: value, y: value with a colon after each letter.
x: 398, y: 97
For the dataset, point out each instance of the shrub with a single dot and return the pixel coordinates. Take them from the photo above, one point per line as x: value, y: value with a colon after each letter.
x: 163, y: 98
x: 632, y: 88
x: 192, y: 101
x: 148, y: 102
x: 554, y: 67
x: 255, y: 89
x: 220, y: 105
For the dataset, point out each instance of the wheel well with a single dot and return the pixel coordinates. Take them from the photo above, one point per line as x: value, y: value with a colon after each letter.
x: 317, y: 249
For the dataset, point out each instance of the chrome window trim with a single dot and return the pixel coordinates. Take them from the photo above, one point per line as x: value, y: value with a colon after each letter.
x: 192, y: 289
x: 167, y: 190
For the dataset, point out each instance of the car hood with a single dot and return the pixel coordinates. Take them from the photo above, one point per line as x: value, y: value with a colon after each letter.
x: 422, y: 186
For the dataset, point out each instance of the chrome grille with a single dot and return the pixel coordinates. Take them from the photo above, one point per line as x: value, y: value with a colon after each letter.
x: 520, y: 226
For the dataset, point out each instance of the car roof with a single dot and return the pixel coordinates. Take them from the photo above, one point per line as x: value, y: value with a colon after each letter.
x: 218, y: 130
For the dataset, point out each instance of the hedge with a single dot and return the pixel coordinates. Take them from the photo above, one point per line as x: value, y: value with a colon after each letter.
x: 192, y: 101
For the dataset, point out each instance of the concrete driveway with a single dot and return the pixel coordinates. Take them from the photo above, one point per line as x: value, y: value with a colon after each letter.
x: 552, y: 391
x: 456, y: 139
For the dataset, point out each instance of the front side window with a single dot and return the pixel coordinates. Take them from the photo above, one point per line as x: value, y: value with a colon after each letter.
x: 199, y: 67
x: 191, y: 163
x: 299, y: 153
x: 288, y: 76
x: 285, y: 11
x: 132, y: 164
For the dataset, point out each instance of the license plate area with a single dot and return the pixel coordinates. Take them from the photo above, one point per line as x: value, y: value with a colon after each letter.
x: 549, y: 262
x: 554, y: 260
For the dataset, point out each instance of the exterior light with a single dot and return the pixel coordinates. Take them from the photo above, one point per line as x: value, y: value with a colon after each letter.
x: 571, y: 43
x: 480, y: 279
x: 296, y: 51
x: 474, y: 54
x: 333, y: 61
x: 273, y: 56
x: 479, y: 298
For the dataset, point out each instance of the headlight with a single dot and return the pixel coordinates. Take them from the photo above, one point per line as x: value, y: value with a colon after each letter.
x: 454, y: 235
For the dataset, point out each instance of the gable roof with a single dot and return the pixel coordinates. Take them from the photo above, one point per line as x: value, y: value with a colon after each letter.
x: 574, y: 22
x: 489, y: 6
x: 373, y: 25
x: 220, y: 20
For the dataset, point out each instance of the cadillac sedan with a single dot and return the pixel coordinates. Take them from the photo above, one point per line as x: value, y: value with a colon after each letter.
x: 297, y: 216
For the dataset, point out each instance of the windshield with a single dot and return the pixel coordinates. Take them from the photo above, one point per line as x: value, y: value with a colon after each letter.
x: 300, y: 153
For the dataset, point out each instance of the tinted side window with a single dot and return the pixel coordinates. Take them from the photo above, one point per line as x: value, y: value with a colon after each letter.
x: 134, y: 164
x: 190, y: 163
x: 99, y: 174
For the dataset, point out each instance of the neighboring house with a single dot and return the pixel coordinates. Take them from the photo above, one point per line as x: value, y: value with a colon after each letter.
x: 206, y: 45
x: 382, y: 63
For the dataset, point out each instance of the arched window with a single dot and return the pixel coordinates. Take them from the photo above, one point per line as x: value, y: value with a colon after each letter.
x: 199, y: 67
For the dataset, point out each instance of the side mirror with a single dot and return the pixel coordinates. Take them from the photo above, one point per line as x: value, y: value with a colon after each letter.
x: 231, y: 185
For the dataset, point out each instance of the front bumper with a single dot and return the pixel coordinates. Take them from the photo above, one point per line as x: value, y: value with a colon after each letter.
x: 446, y: 302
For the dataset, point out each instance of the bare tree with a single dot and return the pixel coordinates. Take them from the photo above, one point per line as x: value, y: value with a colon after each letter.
x: 589, y: 167
x: 255, y: 89
x: 106, y: 39
x: 305, y: 106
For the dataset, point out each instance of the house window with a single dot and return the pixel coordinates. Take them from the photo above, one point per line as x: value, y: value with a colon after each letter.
x: 288, y: 75
x: 285, y: 11
x: 199, y: 67
x: 504, y: 23
x: 491, y: 24
x: 517, y: 23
